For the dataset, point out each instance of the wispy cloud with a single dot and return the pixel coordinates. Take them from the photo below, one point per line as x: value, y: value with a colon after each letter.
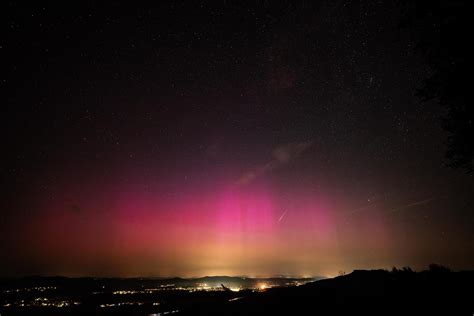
x: 281, y: 155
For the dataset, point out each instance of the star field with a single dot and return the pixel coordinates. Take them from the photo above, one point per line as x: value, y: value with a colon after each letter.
x: 281, y: 140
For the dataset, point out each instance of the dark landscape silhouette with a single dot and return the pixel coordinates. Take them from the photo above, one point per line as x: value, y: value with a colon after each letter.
x: 376, y: 292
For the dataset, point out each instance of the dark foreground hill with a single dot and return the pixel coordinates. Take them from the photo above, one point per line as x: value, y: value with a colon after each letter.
x: 375, y: 292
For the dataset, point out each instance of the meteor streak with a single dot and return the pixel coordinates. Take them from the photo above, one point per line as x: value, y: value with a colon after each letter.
x: 425, y: 201
x: 282, y: 215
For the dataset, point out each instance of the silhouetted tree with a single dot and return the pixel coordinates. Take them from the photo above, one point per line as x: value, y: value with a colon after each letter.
x: 437, y: 268
x: 441, y: 31
x: 402, y: 270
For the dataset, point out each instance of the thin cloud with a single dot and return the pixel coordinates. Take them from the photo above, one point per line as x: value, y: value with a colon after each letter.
x: 281, y: 155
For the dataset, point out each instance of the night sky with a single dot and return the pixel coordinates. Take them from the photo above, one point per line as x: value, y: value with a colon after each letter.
x: 191, y: 140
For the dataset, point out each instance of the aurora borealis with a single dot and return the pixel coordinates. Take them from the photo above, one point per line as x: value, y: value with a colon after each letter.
x: 198, y: 140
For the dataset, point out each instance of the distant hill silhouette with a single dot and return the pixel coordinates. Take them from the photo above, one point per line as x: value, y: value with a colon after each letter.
x: 362, y: 292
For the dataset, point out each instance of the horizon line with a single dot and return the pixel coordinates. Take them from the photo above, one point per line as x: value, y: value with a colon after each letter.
x: 164, y: 277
